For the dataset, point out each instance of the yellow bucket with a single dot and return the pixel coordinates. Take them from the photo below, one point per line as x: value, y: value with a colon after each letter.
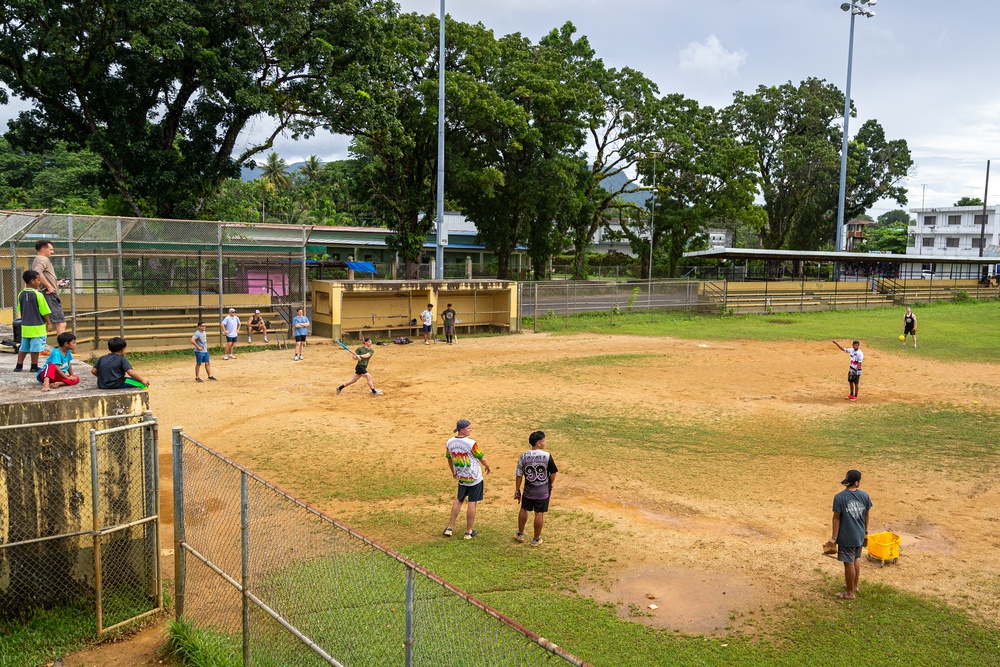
x: 884, y: 546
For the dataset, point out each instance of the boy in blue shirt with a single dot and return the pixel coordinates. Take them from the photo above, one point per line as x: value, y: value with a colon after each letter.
x: 58, y: 368
x: 34, y: 311
x: 300, y: 326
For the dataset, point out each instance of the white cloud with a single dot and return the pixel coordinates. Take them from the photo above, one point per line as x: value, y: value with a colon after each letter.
x: 711, y: 58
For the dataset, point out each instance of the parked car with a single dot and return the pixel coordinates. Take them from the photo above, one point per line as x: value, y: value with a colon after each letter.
x: 926, y: 274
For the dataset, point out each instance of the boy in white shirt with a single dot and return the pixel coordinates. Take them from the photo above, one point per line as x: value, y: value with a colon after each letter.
x: 854, y: 372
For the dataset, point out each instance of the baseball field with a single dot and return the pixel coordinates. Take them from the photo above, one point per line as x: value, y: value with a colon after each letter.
x: 698, y: 458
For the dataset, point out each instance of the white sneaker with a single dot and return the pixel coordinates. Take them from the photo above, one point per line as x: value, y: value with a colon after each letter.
x: 232, y: 356
x: 224, y: 357
x: 265, y: 339
x: 248, y: 339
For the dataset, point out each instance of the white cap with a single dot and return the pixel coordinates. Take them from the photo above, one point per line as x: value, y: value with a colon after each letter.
x: 256, y: 312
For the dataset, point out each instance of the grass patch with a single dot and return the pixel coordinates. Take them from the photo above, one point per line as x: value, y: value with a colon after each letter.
x: 47, y: 634
x: 943, y: 328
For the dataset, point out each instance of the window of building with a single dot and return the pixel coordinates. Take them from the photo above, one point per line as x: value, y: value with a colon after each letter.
x: 954, y: 219
x: 977, y: 242
x: 930, y: 220
x: 978, y: 220
x: 951, y: 242
x: 928, y: 242
x: 368, y: 258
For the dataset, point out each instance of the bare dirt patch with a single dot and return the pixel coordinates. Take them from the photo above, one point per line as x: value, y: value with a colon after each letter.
x: 688, y: 527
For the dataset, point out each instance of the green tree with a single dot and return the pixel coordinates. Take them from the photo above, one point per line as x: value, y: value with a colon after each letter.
x: 795, y: 133
x: 893, y: 216
x: 275, y: 172
x: 60, y: 180
x: 703, y: 174
x: 969, y: 201
x: 161, y: 91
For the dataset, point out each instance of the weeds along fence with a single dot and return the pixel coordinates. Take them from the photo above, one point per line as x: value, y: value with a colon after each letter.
x: 275, y: 582
x: 79, y: 519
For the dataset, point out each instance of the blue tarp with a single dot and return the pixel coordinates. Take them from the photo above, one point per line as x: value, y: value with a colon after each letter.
x: 361, y: 267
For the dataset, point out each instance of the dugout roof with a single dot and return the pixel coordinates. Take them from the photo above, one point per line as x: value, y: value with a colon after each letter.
x: 830, y: 256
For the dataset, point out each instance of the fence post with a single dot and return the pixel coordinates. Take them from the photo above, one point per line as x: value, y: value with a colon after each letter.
x: 245, y: 564
x: 72, y: 272
x: 179, y: 537
x: 95, y: 509
x: 150, y: 441
x: 97, y: 332
x: 222, y: 339
x: 408, y: 641
x: 305, y: 278
x: 835, y: 283
x: 802, y: 294
x: 121, y: 282
x: 535, y: 319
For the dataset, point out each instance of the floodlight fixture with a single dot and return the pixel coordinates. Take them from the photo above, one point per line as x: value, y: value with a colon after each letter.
x: 856, y: 9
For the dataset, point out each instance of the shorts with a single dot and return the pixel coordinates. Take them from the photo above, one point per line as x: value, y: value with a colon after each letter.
x: 300, y: 339
x: 427, y: 328
x: 471, y: 493
x: 535, y: 504
x: 32, y: 345
x: 257, y: 327
x: 231, y: 339
x: 853, y: 376
x: 360, y: 370
x: 848, y: 554
x: 449, y: 329
x: 57, y: 316
x: 909, y: 329
x: 200, y: 357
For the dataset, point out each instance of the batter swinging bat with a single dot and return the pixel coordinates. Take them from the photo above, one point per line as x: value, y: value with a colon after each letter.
x: 342, y: 345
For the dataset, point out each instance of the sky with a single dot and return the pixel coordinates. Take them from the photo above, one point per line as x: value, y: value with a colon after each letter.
x: 926, y: 70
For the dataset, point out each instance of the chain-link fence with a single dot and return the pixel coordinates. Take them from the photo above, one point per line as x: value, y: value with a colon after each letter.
x: 280, y: 583
x: 79, y: 518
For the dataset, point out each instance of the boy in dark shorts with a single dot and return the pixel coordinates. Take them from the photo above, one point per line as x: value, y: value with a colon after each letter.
x: 467, y: 463
x: 537, y: 469
x: 300, y: 325
x: 113, y: 370
x: 854, y: 372
x: 449, y: 324
x: 362, y: 356
x: 851, y: 514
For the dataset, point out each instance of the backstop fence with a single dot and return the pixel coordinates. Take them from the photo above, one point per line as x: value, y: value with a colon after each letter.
x: 280, y: 583
x: 79, y: 518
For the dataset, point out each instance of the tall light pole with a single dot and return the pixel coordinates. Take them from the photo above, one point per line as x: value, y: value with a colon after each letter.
x: 439, y: 251
x: 856, y: 8
x: 652, y: 220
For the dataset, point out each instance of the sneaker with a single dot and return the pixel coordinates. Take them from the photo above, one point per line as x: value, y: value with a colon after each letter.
x: 427, y: 342
x: 850, y: 397
x: 535, y: 542
x: 854, y: 398
x: 472, y: 533
x: 248, y: 339
x: 225, y: 356
x: 447, y: 532
x: 212, y: 378
x: 340, y: 389
x: 376, y: 392
x: 914, y: 346
x: 265, y: 339
x: 232, y: 356
x: 34, y: 368
x: 18, y: 368
x: 519, y: 537
x: 198, y: 380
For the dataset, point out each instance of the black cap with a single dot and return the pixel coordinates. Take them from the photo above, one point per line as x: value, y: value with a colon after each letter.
x: 853, y: 477
x: 462, y: 423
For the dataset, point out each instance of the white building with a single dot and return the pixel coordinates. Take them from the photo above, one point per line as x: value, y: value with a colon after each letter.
x: 953, y: 231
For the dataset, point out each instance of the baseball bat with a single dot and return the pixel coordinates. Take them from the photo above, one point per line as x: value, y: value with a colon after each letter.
x: 342, y: 345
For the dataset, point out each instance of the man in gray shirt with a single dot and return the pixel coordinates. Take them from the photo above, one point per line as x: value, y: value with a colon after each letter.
x: 50, y: 285
x: 851, y: 509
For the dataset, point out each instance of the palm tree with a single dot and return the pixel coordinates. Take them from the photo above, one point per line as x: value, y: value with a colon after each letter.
x: 275, y: 171
x: 311, y: 169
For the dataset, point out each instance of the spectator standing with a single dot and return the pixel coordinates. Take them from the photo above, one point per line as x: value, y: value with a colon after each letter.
x: 50, y: 284
x: 231, y: 328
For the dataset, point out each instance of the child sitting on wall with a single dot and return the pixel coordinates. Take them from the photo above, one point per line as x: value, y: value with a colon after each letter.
x: 113, y: 370
x: 58, y: 368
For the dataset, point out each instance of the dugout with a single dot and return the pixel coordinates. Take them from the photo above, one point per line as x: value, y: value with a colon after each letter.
x: 350, y: 309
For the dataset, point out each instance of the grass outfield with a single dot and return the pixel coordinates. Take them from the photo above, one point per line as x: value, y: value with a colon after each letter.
x: 945, y: 331
x: 954, y: 444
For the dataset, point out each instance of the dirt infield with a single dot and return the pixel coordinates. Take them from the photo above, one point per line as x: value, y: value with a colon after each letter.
x: 709, y: 537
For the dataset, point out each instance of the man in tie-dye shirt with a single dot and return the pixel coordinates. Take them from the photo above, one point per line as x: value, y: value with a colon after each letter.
x: 464, y: 457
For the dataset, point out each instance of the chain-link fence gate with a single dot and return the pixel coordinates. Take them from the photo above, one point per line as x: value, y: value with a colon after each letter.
x: 280, y: 583
x: 79, y: 518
